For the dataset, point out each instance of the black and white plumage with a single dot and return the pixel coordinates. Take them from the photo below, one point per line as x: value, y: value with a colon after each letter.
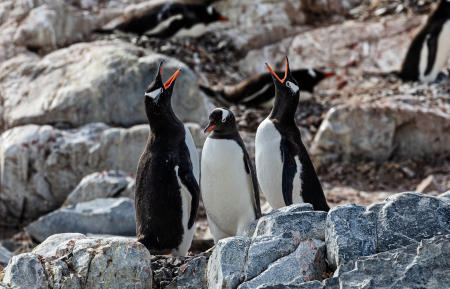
x: 285, y: 172
x: 259, y: 90
x: 165, y: 20
x: 167, y: 191
x: 228, y: 182
x: 430, y: 48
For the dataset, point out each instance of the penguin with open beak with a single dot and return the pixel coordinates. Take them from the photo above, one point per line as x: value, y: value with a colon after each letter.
x: 167, y: 190
x: 285, y: 172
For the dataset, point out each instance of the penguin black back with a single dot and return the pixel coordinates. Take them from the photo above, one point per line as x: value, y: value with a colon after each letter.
x: 259, y: 89
x: 164, y: 169
x: 164, y: 20
x: 428, y: 36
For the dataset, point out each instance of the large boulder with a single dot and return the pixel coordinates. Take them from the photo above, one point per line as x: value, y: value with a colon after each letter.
x: 381, y: 130
x: 75, y: 262
x: 67, y: 87
x: 107, y: 184
x: 401, y: 220
x: 41, y: 165
x: 421, y: 265
x: 100, y: 216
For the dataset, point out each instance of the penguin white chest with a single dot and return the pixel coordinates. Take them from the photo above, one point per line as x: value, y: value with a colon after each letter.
x: 269, y: 166
x: 442, y: 54
x: 226, y: 187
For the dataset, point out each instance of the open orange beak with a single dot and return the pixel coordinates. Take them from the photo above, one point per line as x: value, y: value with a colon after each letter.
x: 171, y: 79
x: 209, y: 128
x: 275, y: 74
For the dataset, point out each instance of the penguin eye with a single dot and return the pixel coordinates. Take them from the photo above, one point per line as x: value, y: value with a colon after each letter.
x: 154, y: 94
x: 210, y: 10
x: 294, y: 88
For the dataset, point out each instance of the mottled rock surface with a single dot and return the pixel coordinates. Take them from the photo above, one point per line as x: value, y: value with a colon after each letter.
x: 107, y: 184
x: 41, y: 165
x: 421, y: 265
x: 81, y: 262
x: 100, y: 216
x: 109, y: 89
x: 381, y: 130
x: 401, y: 220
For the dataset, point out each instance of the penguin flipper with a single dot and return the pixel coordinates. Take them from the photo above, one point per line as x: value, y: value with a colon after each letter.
x: 432, y: 44
x: 251, y: 171
x: 189, y: 181
x: 289, y: 171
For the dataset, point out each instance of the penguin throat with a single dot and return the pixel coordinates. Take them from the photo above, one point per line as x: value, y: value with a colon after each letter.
x: 284, y: 107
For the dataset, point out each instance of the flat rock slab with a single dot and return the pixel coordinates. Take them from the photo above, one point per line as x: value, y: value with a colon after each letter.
x: 401, y: 220
x: 107, y: 184
x: 100, y: 216
x: 81, y: 262
x: 5, y: 256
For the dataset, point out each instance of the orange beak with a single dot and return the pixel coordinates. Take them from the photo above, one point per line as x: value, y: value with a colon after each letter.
x: 223, y: 18
x: 276, y: 76
x: 328, y: 74
x: 172, y: 78
x: 209, y: 128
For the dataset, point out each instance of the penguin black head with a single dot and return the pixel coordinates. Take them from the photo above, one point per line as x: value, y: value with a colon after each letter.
x: 208, y: 14
x: 221, y: 122
x: 310, y: 77
x: 158, y: 94
x: 286, y: 87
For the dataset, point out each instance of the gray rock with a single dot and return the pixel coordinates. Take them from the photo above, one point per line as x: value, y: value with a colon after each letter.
x: 100, y: 216
x: 306, y: 263
x: 381, y: 129
x: 25, y: 271
x: 445, y: 196
x: 421, y: 265
x: 5, y: 255
x: 305, y: 285
x: 191, y: 275
x: 110, y: 89
x: 299, y: 220
x: 402, y: 219
x: 82, y: 263
x: 227, y: 262
x: 197, y: 133
x: 410, y: 217
x: 350, y: 233
x: 50, y: 245
x: 108, y: 184
x: 264, y: 251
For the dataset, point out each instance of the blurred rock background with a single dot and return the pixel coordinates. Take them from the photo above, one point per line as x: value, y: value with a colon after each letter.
x: 73, y: 126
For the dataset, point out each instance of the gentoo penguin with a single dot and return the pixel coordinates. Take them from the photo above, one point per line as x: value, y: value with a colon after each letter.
x: 259, y: 89
x: 167, y: 192
x: 430, y: 48
x: 285, y: 172
x: 228, y: 182
x: 164, y: 20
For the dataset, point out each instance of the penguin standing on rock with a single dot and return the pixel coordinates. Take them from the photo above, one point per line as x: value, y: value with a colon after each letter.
x: 285, y: 172
x: 259, y: 89
x: 167, y: 191
x: 229, y: 186
x: 430, y: 49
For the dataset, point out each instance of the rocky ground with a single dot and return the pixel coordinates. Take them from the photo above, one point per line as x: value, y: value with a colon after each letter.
x: 72, y: 124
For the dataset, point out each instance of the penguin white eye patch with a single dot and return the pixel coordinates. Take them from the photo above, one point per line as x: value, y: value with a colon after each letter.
x: 154, y: 94
x: 210, y: 10
x: 294, y: 88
